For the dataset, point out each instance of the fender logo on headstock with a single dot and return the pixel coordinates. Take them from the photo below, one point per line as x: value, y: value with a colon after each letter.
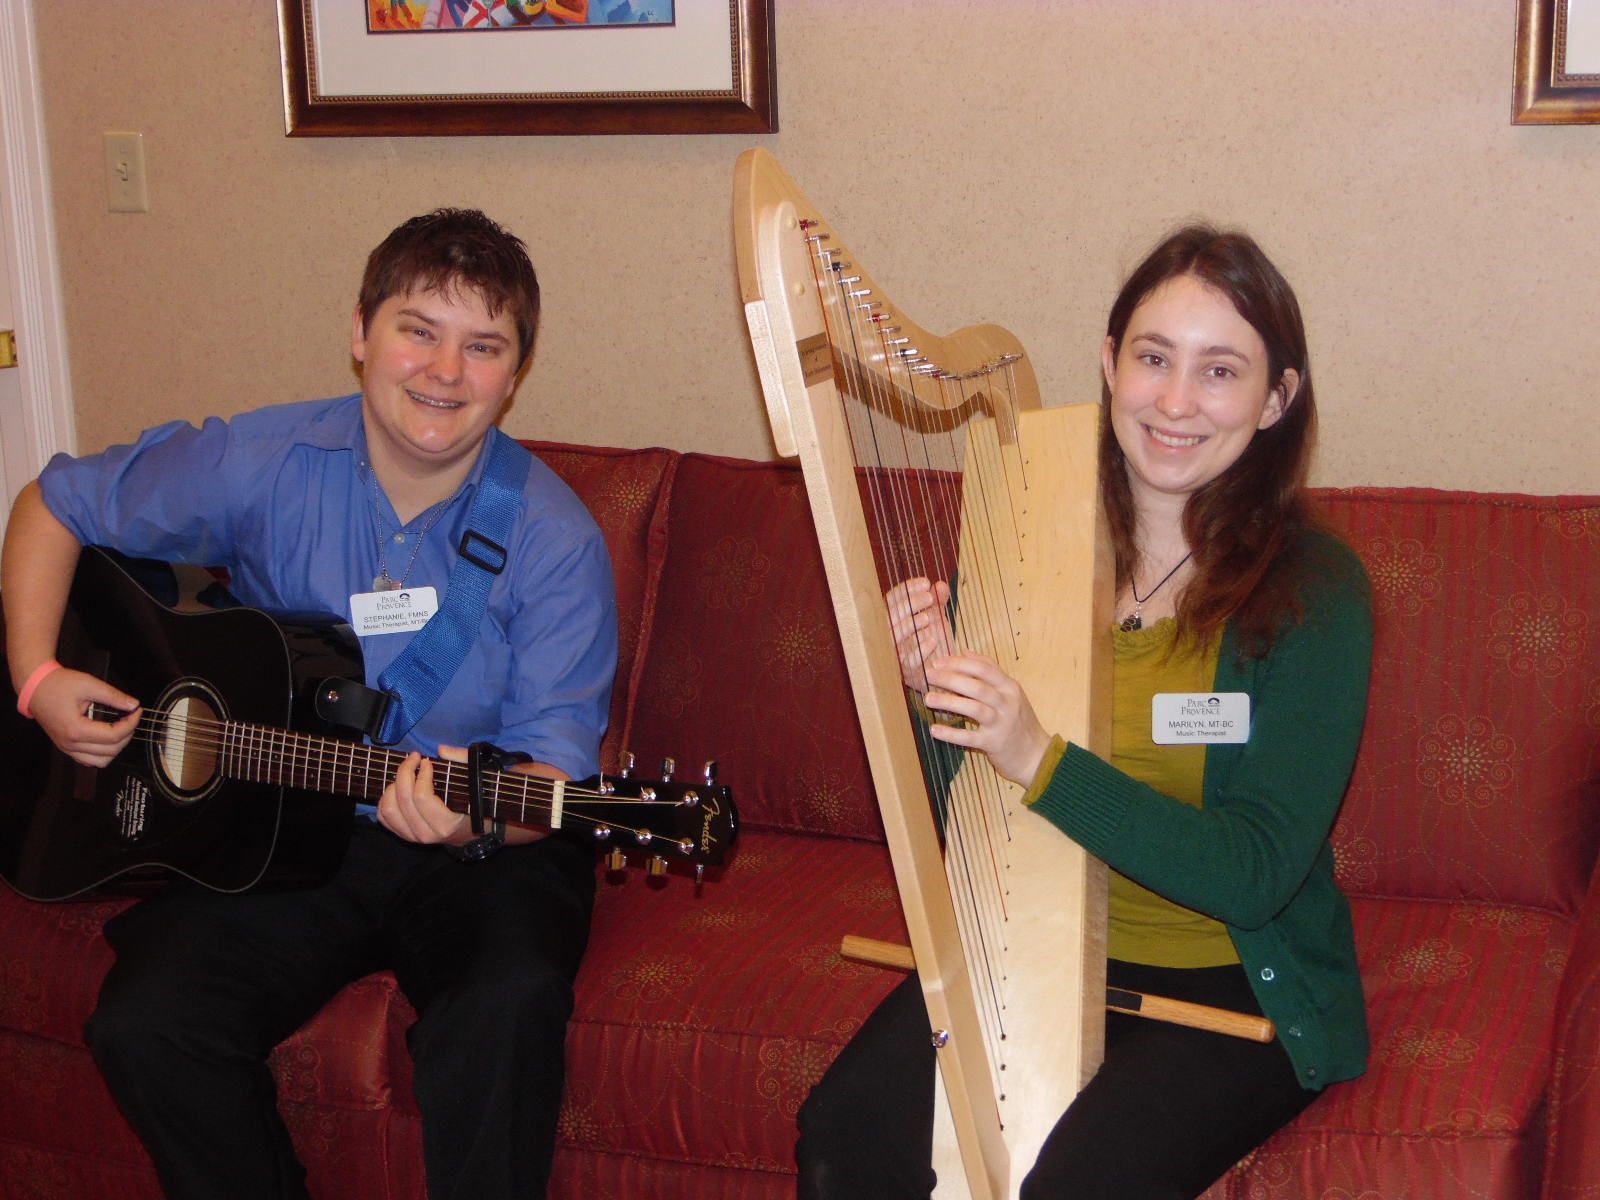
x: 712, y: 808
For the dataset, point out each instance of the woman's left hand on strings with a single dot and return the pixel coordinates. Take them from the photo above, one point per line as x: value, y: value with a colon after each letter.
x: 999, y: 719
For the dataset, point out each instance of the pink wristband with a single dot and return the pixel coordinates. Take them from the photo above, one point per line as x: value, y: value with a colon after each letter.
x: 25, y: 696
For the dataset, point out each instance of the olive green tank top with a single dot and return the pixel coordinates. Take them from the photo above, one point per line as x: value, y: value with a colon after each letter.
x: 1143, y: 926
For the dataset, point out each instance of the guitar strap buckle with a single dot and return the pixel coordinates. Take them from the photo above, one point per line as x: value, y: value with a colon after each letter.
x: 472, y: 542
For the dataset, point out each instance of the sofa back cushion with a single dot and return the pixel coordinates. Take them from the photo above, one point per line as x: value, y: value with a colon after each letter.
x: 744, y: 665
x: 626, y: 492
x: 1479, y: 773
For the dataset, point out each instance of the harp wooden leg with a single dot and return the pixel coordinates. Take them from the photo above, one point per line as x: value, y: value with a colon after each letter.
x: 947, y: 1166
x: 1156, y: 1008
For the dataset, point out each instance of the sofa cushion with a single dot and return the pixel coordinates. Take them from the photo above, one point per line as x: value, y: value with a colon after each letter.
x: 744, y: 665
x: 703, y: 1018
x: 54, y: 959
x: 1478, y: 775
x: 626, y: 491
x: 1452, y: 1101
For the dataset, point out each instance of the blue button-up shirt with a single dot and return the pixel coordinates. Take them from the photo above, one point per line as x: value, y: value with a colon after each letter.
x: 284, y: 498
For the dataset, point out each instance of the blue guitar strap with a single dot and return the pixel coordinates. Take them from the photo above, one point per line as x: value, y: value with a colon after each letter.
x: 417, y: 678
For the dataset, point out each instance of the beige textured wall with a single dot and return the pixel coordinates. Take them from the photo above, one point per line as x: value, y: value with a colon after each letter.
x: 1003, y: 161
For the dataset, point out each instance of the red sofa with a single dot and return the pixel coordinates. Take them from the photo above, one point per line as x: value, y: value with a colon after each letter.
x: 1468, y: 846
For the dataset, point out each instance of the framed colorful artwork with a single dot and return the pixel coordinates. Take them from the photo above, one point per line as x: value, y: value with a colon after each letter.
x: 1558, y: 63
x: 403, y: 68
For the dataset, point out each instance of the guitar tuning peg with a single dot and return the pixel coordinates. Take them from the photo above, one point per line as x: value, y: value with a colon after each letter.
x: 627, y: 764
x: 710, y: 773
x: 616, y: 860
x: 668, y: 766
x: 656, y: 867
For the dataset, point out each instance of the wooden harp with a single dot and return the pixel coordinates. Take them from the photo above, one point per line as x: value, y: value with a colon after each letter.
x: 927, y: 455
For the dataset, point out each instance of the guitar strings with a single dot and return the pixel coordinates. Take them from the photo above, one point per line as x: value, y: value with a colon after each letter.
x: 280, y: 754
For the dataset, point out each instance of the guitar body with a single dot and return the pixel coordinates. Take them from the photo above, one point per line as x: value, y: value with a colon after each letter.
x: 163, y: 806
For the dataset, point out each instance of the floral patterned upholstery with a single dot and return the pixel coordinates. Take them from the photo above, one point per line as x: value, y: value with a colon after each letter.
x: 625, y: 491
x: 1468, y: 846
x: 744, y: 665
x: 1478, y: 763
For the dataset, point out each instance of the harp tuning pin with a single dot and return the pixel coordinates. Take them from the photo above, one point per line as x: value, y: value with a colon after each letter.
x: 668, y: 766
x: 657, y: 866
x: 616, y: 860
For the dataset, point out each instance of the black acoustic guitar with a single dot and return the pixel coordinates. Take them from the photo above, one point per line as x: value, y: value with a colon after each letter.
x: 229, y: 778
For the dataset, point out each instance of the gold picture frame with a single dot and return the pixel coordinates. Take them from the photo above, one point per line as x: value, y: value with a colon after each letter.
x: 732, y: 38
x: 1546, y: 92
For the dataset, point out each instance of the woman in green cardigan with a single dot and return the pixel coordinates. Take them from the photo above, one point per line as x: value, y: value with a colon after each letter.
x: 1236, y: 611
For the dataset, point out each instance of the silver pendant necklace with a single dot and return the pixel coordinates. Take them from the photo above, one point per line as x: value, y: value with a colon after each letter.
x: 382, y: 582
x: 1135, y: 620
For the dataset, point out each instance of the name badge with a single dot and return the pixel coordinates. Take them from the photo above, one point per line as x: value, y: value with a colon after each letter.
x: 405, y: 611
x: 1182, y: 718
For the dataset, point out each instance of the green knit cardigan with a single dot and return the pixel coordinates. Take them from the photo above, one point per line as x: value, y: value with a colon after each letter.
x: 1256, y: 856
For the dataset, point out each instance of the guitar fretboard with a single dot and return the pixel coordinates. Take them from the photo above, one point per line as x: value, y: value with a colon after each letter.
x: 263, y: 754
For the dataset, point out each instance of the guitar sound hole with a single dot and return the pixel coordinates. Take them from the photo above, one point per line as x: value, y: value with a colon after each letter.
x: 188, y: 749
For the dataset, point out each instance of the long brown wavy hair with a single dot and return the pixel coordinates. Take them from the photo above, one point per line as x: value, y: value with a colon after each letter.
x: 1241, y: 525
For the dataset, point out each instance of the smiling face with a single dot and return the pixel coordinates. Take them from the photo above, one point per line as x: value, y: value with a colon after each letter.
x: 1189, y: 389
x: 436, y: 371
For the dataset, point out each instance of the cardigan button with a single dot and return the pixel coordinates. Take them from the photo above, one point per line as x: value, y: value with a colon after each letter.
x: 1293, y: 1031
x: 1268, y: 974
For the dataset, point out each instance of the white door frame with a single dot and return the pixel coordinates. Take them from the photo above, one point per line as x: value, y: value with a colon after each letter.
x: 36, y: 416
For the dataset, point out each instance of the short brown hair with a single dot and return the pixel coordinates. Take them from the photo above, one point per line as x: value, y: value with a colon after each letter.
x: 453, y: 248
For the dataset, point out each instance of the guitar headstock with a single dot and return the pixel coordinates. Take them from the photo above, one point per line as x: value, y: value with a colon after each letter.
x: 692, y: 821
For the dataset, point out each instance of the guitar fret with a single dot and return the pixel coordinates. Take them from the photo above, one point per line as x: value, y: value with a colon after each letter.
x: 249, y: 760
x: 320, y: 750
x: 366, y: 770
x: 447, y: 789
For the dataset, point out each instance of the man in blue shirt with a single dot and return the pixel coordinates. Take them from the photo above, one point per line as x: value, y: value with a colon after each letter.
x: 324, y: 507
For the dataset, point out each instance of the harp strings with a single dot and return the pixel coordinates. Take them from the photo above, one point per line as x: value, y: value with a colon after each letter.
x: 929, y: 446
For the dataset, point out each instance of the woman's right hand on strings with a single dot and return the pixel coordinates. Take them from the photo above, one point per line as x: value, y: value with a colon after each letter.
x: 61, y: 705
x: 920, y: 623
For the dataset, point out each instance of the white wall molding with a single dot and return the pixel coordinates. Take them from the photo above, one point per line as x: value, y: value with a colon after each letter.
x: 40, y: 422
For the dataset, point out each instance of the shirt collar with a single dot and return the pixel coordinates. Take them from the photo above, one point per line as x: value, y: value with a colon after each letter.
x: 341, y: 426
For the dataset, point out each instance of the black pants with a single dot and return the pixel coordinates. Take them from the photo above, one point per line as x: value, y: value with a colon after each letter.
x: 205, y: 985
x: 1170, y: 1110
